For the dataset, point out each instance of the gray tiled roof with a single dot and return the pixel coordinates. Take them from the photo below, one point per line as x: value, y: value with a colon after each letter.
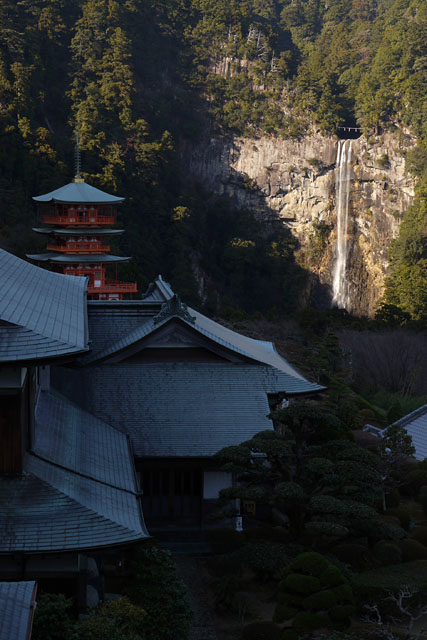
x: 78, y: 489
x: 76, y: 440
x: 43, y: 314
x: 49, y: 509
x: 415, y: 424
x: 179, y: 409
x: 78, y: 192
x: 120, y: 337
x: 16, y: 609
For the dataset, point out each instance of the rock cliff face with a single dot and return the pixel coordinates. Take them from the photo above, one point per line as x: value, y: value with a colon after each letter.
x: 295, y: 180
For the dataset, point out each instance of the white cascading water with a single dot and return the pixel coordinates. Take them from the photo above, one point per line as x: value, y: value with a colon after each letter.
x: 342, y: 190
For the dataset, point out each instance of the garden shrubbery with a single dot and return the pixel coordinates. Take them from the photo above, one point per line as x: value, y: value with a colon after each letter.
x: 314, y: 595
x: 155, y: 587
x: 386, y: 553
x: 412, y: 550
x: 115, y: 620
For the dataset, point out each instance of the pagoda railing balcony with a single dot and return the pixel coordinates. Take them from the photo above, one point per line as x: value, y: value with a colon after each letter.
x: 80, y: 247
x: 113, y: 287
x: 79, y: 220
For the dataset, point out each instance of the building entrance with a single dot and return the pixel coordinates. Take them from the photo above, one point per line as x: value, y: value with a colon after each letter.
x: 173, y: 495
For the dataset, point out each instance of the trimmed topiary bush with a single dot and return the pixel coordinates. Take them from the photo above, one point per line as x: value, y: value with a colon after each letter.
x: 301, y: 584
x: 412, y: 550
x: 266, y: 559
x: 386, y: 552
x: 403, y: 516
x: 420, y: 534
x: 314, y: 595
x: 261, y: 631
x: 356, y: 555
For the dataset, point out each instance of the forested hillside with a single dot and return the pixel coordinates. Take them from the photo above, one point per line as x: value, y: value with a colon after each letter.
x: 140, y: 78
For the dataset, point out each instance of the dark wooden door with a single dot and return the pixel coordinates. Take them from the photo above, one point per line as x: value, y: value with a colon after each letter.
x: 172, y: 495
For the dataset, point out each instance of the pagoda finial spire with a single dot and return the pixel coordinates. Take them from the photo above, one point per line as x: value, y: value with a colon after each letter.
x: 78, y: 177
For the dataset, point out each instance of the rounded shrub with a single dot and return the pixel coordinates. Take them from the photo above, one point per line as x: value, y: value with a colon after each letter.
x: 342, y: 613
x: 266, y: 559
x: 301, y: 584
x: 412, y: 550
x: 420, y: 534
x: 331, y: 577
x: 343, y: 593
x: 306, y: 621
x: 284, y: 612
x: 321, y: 600
x: 356, y: 555
x: 311, y: 563
x: 403, y: 516
x: 386, y: 553
x: 310, y: 590
x: 265, y: 630
x: 414, y: 481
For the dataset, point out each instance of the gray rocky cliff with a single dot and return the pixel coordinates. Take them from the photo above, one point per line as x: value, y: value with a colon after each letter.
x: 295, y: 180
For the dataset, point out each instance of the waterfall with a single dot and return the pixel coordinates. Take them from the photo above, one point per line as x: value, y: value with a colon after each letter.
x: 342, y: 189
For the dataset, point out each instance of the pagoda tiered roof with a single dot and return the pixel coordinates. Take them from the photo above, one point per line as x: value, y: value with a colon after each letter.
x: 78, y: 193
x: 76, y: 258
x: 77, y: 231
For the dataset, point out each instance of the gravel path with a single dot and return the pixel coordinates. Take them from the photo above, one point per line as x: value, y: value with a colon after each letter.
x: 202, y: 627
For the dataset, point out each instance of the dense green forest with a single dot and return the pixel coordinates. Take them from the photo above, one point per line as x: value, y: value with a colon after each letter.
x: 140, y: 78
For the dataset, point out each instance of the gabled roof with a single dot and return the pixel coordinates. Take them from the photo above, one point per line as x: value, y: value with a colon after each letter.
x: 70, y: 437
x: 415, y: 424
x: 180, y: 409
x: 17, y: 605
x: 258, y: 351
x: 79, y: 193
x: 78, y: 489
x: 42, y: 314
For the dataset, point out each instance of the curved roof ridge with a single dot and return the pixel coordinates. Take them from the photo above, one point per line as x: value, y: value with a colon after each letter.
x: 48, y: 304
x: 78, y: 193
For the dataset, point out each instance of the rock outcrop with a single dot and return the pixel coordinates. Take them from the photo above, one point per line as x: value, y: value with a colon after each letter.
x: 295, y: 180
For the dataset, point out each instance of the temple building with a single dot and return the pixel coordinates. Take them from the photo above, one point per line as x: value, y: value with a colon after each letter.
x: 182, y: 387
x: 68, y: 491
x: 111, y: 406
x: 78, y: 221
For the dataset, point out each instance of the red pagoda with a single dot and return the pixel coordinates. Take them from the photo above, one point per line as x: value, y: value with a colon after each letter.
x: 79, y: 219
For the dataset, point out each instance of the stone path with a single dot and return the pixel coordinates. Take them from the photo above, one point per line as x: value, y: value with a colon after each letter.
x: 202, y: 627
